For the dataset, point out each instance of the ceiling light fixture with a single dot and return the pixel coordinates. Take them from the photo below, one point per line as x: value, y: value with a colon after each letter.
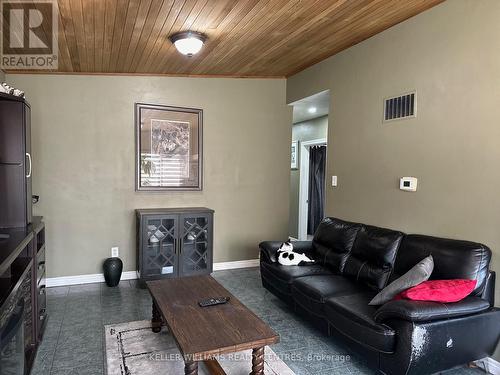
x: 312, y: 110
x: 188, y: 43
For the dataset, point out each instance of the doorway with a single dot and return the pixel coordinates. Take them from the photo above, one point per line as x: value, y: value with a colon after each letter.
x: 311, y: 186
x: 308, y: 174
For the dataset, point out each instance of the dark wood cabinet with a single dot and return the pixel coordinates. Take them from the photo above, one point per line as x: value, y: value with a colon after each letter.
x: 22, y: 239
x: 174, y: 242
x: 15, y: 162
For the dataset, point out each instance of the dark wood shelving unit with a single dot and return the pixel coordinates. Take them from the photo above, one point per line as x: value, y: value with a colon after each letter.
x: 21, y: 277
x: 22, y: 236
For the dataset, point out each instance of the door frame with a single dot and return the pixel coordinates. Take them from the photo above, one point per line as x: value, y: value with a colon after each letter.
x: 304, y: 183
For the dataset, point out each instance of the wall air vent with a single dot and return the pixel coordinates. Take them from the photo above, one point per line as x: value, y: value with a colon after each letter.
x: 400, y: 107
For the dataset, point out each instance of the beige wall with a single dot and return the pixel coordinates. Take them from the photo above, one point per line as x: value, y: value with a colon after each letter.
x: 83, y: 146
x: 449, y: 55
x: 303, y: 131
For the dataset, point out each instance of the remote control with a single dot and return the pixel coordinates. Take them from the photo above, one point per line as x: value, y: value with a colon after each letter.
x: 213, y: 301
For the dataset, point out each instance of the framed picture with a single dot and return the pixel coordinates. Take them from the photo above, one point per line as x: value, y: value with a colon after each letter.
x: 168, y: 148
x: 295, y: 155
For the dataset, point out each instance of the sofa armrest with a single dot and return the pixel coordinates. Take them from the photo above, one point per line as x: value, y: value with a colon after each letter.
x: 421, y: 311
x: 268, y: 249
x: 489, y: 288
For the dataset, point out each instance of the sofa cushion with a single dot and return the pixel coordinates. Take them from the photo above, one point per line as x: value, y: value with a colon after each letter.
x: 281, y: 277
x: 333, y: 241
x: 311, y: 291
x: 418, y: 274
x: 445, y: 291
x: 372, y: 256
x: 453, y: 259
x: 353, y: 317
x: 422, y: 311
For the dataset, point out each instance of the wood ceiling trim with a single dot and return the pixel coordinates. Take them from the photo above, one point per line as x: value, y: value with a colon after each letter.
x: 262, y: 38
x: 109, y: 74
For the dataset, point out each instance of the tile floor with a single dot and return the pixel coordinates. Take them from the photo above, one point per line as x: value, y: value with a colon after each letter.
x: 73, y: 342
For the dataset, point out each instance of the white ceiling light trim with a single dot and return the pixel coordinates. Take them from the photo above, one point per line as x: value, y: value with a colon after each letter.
x: 188, y: 43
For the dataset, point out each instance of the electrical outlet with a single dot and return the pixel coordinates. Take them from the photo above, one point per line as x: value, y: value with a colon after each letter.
x: 115, y: 252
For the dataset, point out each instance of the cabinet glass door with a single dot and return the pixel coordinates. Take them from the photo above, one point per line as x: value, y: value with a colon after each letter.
x: 195, y: 244
x: 159, y: 245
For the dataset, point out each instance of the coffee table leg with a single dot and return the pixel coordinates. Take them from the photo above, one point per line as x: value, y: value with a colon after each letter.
x: 191, y: 368
x: 257, y: 361
x: 156, y: 320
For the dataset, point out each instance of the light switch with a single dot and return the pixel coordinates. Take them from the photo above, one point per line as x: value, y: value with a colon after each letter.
x: 334, y: 181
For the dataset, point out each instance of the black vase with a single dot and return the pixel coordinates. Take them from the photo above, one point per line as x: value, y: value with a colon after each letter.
x: 112, y: 271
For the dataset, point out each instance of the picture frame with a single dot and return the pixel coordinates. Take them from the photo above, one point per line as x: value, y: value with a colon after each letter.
x: 294, y: 160
x: 169, y: 148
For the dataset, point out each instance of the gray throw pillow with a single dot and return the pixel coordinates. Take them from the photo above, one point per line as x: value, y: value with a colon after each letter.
x: 418, y: 274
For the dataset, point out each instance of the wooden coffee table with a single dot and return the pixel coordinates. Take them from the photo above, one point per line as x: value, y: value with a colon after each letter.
x: 202, y: 333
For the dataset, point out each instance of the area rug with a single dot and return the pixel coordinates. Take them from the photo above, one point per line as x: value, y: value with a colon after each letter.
x: 133, y: 349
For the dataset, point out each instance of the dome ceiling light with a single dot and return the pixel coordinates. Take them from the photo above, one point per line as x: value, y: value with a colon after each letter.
x: 188, y: 43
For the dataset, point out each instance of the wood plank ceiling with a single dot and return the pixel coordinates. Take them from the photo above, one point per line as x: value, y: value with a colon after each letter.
x: 246, y: 38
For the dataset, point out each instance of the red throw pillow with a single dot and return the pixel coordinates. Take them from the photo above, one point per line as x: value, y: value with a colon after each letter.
x: 439, y: 290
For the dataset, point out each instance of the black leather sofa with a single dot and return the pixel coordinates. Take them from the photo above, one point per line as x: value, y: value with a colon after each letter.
x: 355, y: 261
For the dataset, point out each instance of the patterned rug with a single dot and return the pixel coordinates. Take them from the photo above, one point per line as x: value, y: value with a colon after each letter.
x: 133, y: 349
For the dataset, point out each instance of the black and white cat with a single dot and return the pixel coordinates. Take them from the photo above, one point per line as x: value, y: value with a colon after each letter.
x: 288, y: 257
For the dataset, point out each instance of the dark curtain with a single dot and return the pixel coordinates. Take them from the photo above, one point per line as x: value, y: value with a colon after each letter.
x: 317, y: 163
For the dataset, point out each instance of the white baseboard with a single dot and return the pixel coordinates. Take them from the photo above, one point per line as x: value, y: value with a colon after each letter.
x: 85, y: 279
x: 237, y: 264
x: 132, y: 275
x: 490, y: 365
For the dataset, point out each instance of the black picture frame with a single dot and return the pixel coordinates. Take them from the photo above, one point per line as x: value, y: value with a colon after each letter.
x: 177, y: 134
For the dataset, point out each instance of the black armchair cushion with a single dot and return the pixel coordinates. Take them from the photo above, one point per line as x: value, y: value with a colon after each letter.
x: 333, y: 241
x: 373, y: 255
x: 268, y: 249
x: 421, y: 311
